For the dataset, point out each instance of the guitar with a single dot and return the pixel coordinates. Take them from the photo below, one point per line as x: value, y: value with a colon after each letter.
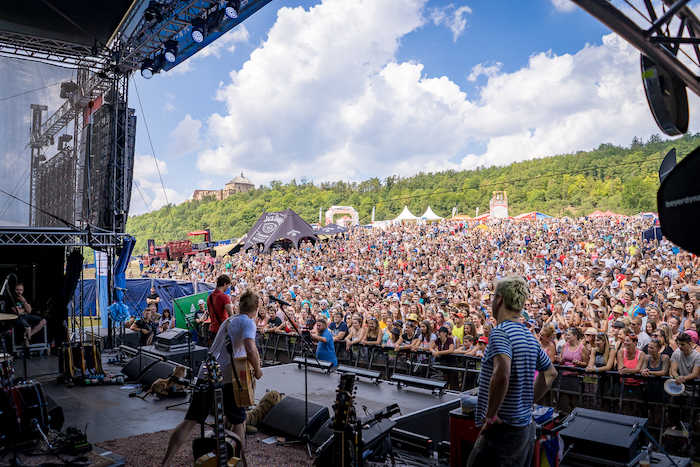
x: 342, y: 448
x: 222, y: 453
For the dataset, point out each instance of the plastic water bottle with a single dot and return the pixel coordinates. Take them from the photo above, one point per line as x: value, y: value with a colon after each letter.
x: 645, y: 458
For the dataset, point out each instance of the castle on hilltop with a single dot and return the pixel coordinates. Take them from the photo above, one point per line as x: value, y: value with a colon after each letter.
x: 235, y: 186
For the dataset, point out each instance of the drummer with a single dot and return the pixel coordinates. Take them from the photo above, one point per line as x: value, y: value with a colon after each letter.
x: 27, y: 325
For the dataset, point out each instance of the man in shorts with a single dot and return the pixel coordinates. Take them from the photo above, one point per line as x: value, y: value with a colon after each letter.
x: 240, y: 330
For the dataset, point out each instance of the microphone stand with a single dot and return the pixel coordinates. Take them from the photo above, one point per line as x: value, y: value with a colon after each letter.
x: 306, y: 349
x: 190, y: 328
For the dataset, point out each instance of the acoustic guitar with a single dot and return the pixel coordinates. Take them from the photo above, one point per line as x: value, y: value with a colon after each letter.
x: 216, y: 452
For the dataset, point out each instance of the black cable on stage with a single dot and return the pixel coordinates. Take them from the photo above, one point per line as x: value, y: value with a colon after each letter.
x: 29, y: 92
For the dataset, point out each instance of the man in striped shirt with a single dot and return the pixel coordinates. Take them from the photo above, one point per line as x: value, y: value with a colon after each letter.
x: 507, y: 384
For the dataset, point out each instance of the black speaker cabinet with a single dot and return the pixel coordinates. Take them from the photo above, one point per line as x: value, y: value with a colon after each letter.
x: 138, y: 365
x: 287, y: 418
x: 601, y: 438
x: 159, y: 370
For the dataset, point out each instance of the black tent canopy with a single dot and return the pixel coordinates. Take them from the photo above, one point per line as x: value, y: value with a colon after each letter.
x: 274, y: 226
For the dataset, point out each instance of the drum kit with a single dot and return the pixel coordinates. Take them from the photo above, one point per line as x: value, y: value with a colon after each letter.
x: 23, y: 407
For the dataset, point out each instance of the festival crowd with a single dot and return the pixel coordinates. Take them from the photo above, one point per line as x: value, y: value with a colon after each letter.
x: 600, y: 298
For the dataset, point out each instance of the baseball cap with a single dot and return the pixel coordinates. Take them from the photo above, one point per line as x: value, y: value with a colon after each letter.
x: 483, y: 339
x: 201, y: 302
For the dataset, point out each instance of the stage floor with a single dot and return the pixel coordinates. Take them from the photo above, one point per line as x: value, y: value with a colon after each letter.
x: 110, y: 413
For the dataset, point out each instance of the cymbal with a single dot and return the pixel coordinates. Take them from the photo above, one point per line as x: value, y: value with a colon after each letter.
x: 8, y: 316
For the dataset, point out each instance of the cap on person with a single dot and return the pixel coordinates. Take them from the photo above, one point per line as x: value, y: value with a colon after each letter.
x: 614, y: 285
x: 591, y: 331
x: 618, y: 309
x: 677, y: 305
x: 201, y: 302
x: 672, y: 296
x: 531, y: 322
x: 618, y: 324
x: 412, y: 317
x: 685, y: 289
x: 483, y: 340
x: 596, y: 302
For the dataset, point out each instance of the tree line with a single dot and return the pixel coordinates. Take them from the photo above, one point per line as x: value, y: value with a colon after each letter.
x: 621, y: 179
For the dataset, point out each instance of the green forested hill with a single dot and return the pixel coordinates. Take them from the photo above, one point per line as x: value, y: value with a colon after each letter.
x: 610, y: 177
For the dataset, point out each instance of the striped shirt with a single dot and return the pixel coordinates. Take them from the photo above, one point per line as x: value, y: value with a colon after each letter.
x: 526, y: 355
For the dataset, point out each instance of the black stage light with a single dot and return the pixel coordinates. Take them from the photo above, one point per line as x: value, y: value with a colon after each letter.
x: 170, y: 53
x: 233, y: 8
x: 199, y: 29
x: 215, y: 22
x: 147, y: 69
x: 153, y: 11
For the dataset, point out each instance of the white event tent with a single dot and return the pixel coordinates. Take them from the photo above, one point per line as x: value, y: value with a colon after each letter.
x: 406, y: 216
x: 429, y: 215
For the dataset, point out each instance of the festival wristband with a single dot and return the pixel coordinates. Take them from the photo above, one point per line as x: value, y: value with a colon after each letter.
x: 489, y: 421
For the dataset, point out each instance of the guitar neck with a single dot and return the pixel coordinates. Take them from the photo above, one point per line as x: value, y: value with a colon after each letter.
x: 221, y: 452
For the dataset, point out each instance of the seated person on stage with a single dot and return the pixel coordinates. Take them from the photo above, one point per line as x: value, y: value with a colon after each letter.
x: 325, y: 350
x: 27, y: 325
x: 166, y: 321
x: 239, y: 330
x: 146, y: 326
x: 337, y: 327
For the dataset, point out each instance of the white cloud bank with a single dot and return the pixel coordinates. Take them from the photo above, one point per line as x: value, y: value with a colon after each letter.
x: 325, y: 97
x: 147, y: 192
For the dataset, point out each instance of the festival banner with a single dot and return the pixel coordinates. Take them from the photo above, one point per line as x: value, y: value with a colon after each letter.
x: 186, y: 307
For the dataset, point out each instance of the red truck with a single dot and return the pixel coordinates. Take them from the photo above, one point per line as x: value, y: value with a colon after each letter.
x: 178, y: 249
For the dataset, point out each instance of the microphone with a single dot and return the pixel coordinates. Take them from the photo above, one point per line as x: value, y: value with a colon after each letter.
x: 120, y: 288
x: 7, y: 278
x: 281, y: 302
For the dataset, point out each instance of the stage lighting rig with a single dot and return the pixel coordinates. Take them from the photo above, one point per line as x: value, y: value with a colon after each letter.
x: 147, y: 68
x: 154, y: 11
x: 170, y: 52
x: 199, y: 30
x: 232, y: 8
x: 215, y: 21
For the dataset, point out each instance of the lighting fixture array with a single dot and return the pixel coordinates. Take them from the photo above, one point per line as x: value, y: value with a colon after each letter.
x: 201, y: 27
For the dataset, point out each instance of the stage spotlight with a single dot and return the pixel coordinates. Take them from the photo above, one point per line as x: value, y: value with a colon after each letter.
x: 153, y: 11
x: 170, y: 51
x: 215, y: 22
x: 147, y: 68
x: 199, y: 29
x: 233, y: 8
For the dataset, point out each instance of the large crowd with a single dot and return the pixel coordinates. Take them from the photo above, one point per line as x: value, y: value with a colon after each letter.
x: 600, y: 297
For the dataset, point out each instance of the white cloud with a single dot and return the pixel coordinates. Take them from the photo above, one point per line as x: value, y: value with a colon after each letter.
x: 168, y: 106
x: 185, y: 137
x: 324, y: 96
x: 205, y: 184
x: 228, y: 41
x: 566, y: 6
x: 453, y: 18
x: 485, y: 70
x: 147, y: 187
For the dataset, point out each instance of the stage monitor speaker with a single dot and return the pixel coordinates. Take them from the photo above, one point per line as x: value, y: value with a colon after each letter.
x: 601, y: 438
x: 159, y: 370
x: 174, y: 336
x: 55, y: 411
x: 138, y: 365
x: 323, y: 433
x: 287, y: 417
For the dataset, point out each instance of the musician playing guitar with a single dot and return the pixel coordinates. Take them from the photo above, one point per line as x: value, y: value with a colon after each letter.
x: 240, y: 329
x: 27, y: 325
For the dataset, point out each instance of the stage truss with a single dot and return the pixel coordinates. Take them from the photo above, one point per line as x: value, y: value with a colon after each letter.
x: 103, y: 69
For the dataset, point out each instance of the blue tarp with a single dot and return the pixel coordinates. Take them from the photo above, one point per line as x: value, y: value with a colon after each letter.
x: 136, y: 293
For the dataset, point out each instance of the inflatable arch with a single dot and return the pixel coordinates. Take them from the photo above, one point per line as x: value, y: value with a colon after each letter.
x: 333, y: 210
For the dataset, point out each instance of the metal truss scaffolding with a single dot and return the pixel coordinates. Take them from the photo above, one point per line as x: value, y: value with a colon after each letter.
x: 31, y: 236
x: 667, y: 32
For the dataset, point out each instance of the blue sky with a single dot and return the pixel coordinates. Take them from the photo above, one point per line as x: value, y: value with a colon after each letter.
x: 353, y: 89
